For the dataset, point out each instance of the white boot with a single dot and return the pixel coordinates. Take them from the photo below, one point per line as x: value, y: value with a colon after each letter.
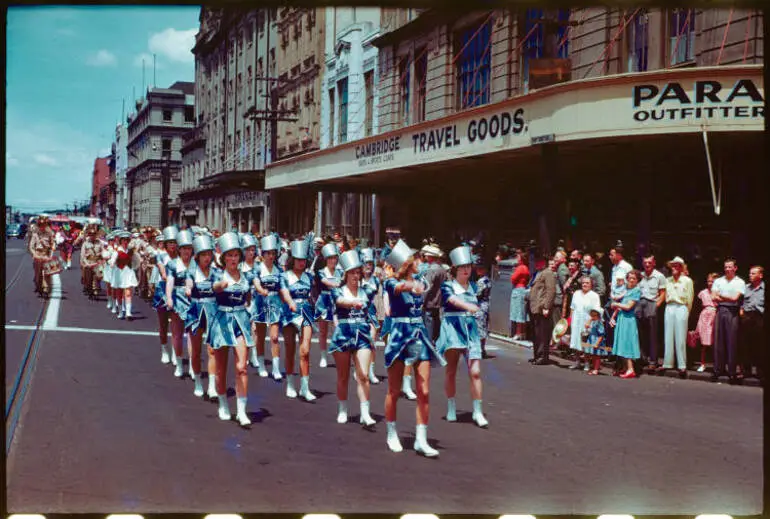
x: 372, y: 377
x: 421, y: 442
x: 164, y: 358
x: 261, y: 366
x: 212, y: 386
x: 128, y: 310
x: 198, y: 386
x: 342, y: 411
x: 277, y: 368
x: 290, y: 391
x: 323, y: 362
x: 115, y: 306
x: 394, y: 444
x: 304, y: 390
x: 406, y: 388
x: 366, y: 418
x: 224, y: 409
x: 253, y: 359
x: 179, y: 371
x: 109, y: 303
x: 451, y: 410
x: 241, y: 415
x: 478, y: 415
x: 174, y: 360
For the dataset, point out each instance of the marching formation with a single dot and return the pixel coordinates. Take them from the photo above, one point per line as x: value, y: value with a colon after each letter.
x: 230, y: 293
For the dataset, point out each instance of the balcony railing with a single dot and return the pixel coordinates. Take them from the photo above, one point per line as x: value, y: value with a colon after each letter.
x: 195, y: 135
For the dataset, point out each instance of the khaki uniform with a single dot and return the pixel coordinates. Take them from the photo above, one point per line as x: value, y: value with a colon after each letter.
x: 90, y: 257
x: 41, y: 245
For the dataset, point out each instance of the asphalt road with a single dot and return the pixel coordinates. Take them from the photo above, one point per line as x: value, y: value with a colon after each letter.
x: 106, y: 428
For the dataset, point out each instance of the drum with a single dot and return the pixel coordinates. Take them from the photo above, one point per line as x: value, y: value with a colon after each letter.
x: 52, y: 267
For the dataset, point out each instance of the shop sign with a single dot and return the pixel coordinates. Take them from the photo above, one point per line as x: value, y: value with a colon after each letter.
x: 707, y: 99
x: 245, y: 199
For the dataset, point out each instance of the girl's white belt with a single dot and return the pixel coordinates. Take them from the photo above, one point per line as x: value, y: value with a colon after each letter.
x: 205, y: 300
x: 231, y: 308
x: 355, y: 320
x: 458, y: 314
x: 410, y: 320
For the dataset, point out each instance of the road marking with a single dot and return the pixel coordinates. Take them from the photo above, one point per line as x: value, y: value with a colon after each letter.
x: 54, y: 305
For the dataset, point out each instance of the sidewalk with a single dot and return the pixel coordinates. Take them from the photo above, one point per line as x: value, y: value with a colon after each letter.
x: 561, y: 357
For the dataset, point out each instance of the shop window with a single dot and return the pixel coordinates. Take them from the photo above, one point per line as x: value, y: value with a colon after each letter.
x: 681, y: 23
x: 638, y: 38
x: 403, y: 81
x: 421, y: 80
x: 369, y: 115
x: 473, y: 52
x: 342, y: 87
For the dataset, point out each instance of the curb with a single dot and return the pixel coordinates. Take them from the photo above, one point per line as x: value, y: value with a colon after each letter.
x: 560, y: 357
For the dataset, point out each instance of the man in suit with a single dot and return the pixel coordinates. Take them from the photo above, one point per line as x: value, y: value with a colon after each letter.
x: 541, y: 298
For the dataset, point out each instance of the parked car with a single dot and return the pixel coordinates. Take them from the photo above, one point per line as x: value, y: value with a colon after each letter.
x: 16, y: 230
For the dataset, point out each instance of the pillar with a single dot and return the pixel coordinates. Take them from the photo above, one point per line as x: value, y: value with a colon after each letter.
x: 376, y: 220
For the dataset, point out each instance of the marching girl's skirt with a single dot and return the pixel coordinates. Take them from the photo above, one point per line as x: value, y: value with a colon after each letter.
x: 125, y: 278
x: 387, y: 325
x: 159, y: 297
x: 229, y: 323
x: 408, y: 341
x: 460, y: 331
x: 351, y: 335
x: 299, y: 319
x: 268, y: 309
x: 324, y: 306
x: 154, y: 275
x: 180, y: 302
x: 200, y: 316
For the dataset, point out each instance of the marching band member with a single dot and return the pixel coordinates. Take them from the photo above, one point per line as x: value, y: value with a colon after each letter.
x: 297, y: 321
x: 459, y: 332
x: 124, y: 278
x: 108, y: 273
x: 371, y: 280
x: 248, y: 267
x: 329, y: 278
x: 159, y: 298
x: 231, y: 327
x: 42, y: 244
x: 408, y: 344
x: 90, y: 256
x: 353, y: 335
x: 267, y: 281
x: 177, y: 302
x: 199, y: 287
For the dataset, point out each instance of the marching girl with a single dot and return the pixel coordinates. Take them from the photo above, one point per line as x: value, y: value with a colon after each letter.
x: 248, y: 267
x: 177, y: 302
x: 266, y: 281
x: 353, y: 335
x: 370, y: 279
x: 329, y: 278
x: 124, y: 278
x: 387, y: 325
x: 408, y: 344
x: 297, y: 319
x: 199, y: 287
x: 231, y: 327
x: 460, y: 333
x: 168, y: 253
x: 107, y: 272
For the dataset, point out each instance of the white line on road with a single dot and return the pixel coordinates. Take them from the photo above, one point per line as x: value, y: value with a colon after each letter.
x: 54, y: 305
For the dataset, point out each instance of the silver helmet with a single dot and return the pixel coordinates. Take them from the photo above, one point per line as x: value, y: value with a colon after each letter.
x: 367, y: 255
x: 400, y: 253
x: 461, y: 256
x: 248, y: 240
x: 229, y: 241
x: 329, y: 250
x: 202, y: 243
x: 170, y: 233
x: 299, y: 249
x: 350, y: 260
x: 184, y: 238
x: 269, y: 242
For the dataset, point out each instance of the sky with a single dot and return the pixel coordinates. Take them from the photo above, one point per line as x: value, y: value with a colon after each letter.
x: 68, y: 71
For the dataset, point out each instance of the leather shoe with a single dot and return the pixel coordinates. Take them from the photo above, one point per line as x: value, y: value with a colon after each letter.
x: 541, y: 362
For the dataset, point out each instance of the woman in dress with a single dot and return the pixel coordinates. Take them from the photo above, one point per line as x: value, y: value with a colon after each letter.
x: 518, y: 309
x: 580, y: 313
x: 168, y: 253
x: 408, y: 344
x: 199, y: 287
x: 266, y: 280
x: 248, y: 267
x: 107, y: 272
x: 329, y: 278
x: 353, y: 336
x: 626, y: 343
x: 370, y: 279
x: 459, y: 333
x: 177, y: 302
x: 297, y: 320
x: 706, y: 319
x: 483, y: 291
x: 231, y: 327
x: 124, y: 280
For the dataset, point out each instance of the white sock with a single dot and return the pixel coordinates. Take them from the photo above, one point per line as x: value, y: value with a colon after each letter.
x: 241, y: 404
x: 212, y: 384
x: 366, y: 418
x: 422, y: 434
x: 276, y: 364
x: 451, y: 413
x: 128, y: 308
x: 342, y: 411
x: 394, y: 443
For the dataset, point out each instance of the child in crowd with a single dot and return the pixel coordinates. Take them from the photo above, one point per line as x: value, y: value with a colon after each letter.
x: 617, y: 293
x: 705, y: 326
x: 594, y: 344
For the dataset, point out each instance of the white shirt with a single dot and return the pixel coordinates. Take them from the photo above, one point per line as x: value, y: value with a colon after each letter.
x: 728, y: 288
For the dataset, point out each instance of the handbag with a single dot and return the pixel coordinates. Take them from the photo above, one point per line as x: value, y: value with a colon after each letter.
x: 692, y: 338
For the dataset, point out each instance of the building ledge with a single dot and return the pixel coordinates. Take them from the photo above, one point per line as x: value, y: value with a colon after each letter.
x: 425, y: 21
x: 252, y: 179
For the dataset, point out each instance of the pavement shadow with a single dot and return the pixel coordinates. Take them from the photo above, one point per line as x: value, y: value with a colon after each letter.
x: 259, y: 416
x: 320, y: 394
x: 408, y: 443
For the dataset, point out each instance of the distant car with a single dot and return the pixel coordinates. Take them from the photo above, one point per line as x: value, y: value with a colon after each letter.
x: 16, y: 230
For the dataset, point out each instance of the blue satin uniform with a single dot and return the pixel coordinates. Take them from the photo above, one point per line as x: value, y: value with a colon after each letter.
x: 250, y: 270
x: 159, y: 297
x: 176, y: 271
x: 203, y: 303
x: 232, y: 318
x: 324, y: 306
x: 299, y: 289
x: 374, y: 284
x: 353, y: 331
x: 268, y: 308
x: 459, y: 329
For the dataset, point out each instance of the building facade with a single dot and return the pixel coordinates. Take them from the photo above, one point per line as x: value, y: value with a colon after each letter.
x: 516, y: 125
x: 226, y: 154
x: 154, y: 153
x: 100, y: 180
x: 121, y: 166
x: 297, y: 96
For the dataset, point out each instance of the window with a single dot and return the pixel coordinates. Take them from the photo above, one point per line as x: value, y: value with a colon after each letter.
x: 342, y: 86
x: 533, y: 46
x: 260, y: 68
x: 238, y: 87
x: 331, y: 114
x: 638, y: 43
x: 166, y: 146
x: 421, y: 80
x: 251, y: 80
x: 272, y: 62
x: 167, y: 116
x: 681, y: 35
x: 473, y: 65
x: 403, y: 81
x: 369, y: 87
x: 189, y: 114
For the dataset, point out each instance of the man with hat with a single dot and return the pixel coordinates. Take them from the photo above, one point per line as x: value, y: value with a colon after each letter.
x: 435, y: 275
x: 90, y: 256
x: 541, y: 298
x: 679, y: 296
x: 392, y: 235
x: 42, y: 245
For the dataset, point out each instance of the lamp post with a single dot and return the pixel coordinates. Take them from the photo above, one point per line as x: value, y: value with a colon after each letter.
x: 165, y: 186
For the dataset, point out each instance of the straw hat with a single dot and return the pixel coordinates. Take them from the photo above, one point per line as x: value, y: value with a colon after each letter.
x: 560, y: 329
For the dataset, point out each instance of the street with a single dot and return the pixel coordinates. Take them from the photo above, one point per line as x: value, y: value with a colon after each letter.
x: 105, y: 427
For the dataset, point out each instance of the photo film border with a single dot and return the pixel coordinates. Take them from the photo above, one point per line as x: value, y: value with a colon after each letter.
x: 359, y: 516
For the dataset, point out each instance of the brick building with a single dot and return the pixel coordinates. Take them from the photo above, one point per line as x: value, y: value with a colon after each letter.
x: 100, y: 181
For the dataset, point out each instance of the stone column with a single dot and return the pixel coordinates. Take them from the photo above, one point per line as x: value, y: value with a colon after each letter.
x: 356, y: 93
